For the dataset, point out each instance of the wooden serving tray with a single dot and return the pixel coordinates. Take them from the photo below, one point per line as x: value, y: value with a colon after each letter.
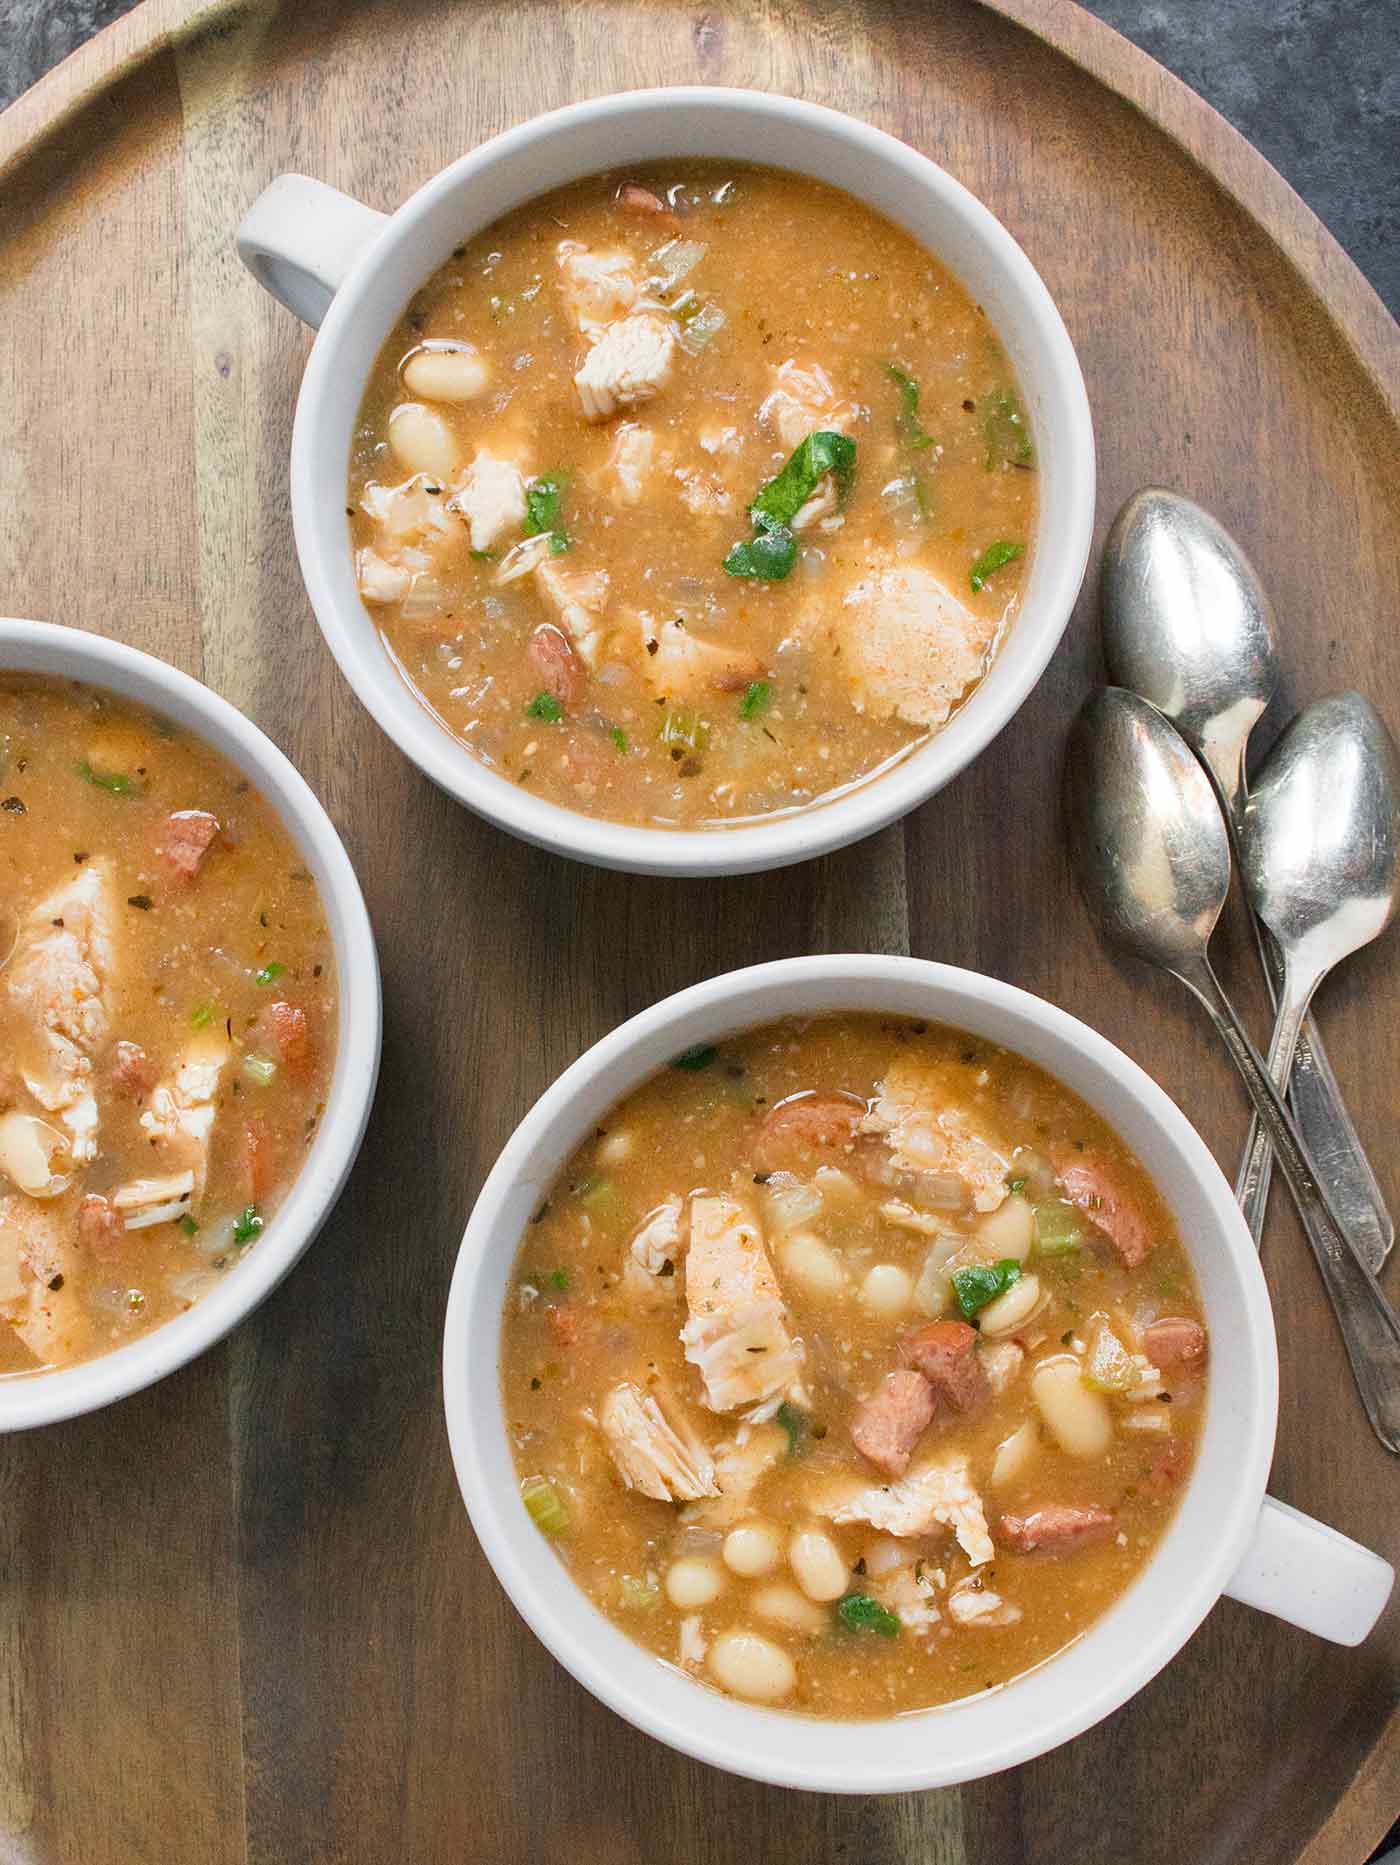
x: 243, y: 1614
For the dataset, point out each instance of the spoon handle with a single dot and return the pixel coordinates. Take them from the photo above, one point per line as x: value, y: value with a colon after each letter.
x: 1370, y: 1326
x: 1327, y: 1127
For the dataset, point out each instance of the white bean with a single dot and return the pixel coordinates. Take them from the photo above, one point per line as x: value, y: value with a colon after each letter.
x: 422, y: 441
x: 887, y: 1291
x: 752, y: 1666
x: 1014, y: 1454
x: 693, y: 1581
x: 783, y: 1605
x: 813, y: 1264
x: 933, y: 1288
x: 449, y: 372
x: 752, y: 1549
x: 1008, y: 1311
x: 1010, y: 1230
x: 816, y: 1562
x: 1079, y: 1420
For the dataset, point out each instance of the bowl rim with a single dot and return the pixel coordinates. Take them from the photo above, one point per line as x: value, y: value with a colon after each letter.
x: 1061, y: 558
x: 654, y: 1696
x: 48, y: 648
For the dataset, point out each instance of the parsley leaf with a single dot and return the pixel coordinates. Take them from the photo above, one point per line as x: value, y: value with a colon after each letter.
x: 980, y: 1283
x: 770, y: 553
x: 544, y: 498
x: 993, y: 558
x: 758, y: 697
x: 545, y: 706
x: 907, y: 423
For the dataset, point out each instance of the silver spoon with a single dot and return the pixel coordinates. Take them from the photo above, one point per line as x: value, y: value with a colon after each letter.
x: 1187, y: 624
x: 1320, y: 855
x: 1153, y: 859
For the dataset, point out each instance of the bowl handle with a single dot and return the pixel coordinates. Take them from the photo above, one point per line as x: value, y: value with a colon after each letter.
x: 300, y: 238
x: 1302, y: 1571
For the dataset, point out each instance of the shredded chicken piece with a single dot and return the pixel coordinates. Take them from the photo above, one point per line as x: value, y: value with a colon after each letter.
x: 379, y: 580
x: 737, y: 1334
x: 663, y: 1460
x: 145, y: 1202
x: 630, y: 462
x: 182, y: 1111
x: 926, y: 1134
x: 939, y: 1493
x: 629, y: 364
x: 578, y: 598
x: 740, y: 1466
x: 659, y: 1240
x: 1002, y: 1361
x: 38, y: 1289
x: 680, y: 662
x: 55, y: 982
x: 598, y: 288
x: 703, y: 495
x: 821, y: 504
x: 912, y: 1597
x: 972, y: 1603
x: 491, y: 497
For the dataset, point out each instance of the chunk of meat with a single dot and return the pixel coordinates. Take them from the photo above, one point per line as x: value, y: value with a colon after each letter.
x: 801, y: 402
x: 34, y: 1156
x: 630, y: 462
x: 551, y: 654
x: 291, y: 1034
x: 972, y: 1603
x: 822, y: 504
x: 1056, y: 1527
x: 100, y: 1227
x: 146, y: 1202
x: 660, y: 1239
x: 184, y: 839
x: 55, y: 984
x: 260, y: 1159
x: 563, y: 1323
x: 378, y: 579
x: 789, y: 1134
x: 180, y: 1118
x: 925, y: 1132
x: 888, y: 1424
x: 663, y: 1460
x: 1091, y: 1185
x: 38, y: 1292
x: 1175, y: 1340
x: 491, y: 497
x: 133, y: 1072
x: 902, y: 643
x: 633, y: 198
x: 939, y: 1495
x: 681, y: 664
x: 910, y: 1594
x: 1002, y: 1361
x: 578, y: 598
x: 740, y: 1466
x: 737, y: 1334
x: 598, y: 288
x: 702, y: 495
x: 630, y: 363
x: 945, y: 1353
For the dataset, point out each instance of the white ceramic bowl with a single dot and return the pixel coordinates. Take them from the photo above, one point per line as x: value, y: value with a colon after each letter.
x: 67, y: 653
x: 1226, y: 1536
x: 349, y: 270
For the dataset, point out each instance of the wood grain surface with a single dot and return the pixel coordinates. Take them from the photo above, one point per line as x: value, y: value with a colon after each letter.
x: 243, y: 1616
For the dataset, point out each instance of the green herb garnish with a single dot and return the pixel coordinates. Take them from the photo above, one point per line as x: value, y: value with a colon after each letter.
x: 544, y: 499
x: 1005, y: 432
x: 559, y: 1279
x: 545, y: 706
x: 269, y: 973
x: 247, y: 1224
x: 698, y: 1056
x: 758, y: 697
x: 188, y: 1225
x: 907, y: 424
x: 203, y: 1015
x: 994, y: 558
x: 980, y: 1283
x: 619, y: 738
x: 858, y: 1612
x: 772, y: 550
x: 115, y: 783
x: 797, y: 1425
x: 482, y: 556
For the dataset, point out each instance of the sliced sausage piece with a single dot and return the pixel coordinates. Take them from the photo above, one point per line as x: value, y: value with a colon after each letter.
x: 1089, y: 1184
x: 552, y: 656
x: 945, y: 1352
x: 633, y: 198
x: 1056, y: 1528
x: 100, y: 1228
x: 184, y: 840
x: 132, y: 1070
x: 1175, y: 1340
x: 803, y: 1124
x: 563, y: 1324
x: 888, y: 1424
x: 259, y: 1159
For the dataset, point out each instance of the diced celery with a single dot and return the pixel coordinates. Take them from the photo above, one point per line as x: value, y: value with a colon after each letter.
x: 639, y: 1595
x: 545, y: 1505
x: 1108, y: 1366
x: 260, y: 1069
x: 683, y: 729
x: 1058, y: 1230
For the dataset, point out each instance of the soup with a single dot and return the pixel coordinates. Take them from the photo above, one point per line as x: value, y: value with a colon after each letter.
x: 167, y: 1020
x: 691, y: 496
x: 853, y: 1366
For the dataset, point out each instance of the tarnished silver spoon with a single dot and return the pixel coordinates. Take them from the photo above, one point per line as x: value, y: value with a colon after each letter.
x: 1152, y: 855
x: 1187, y: 624
x: 1320, y: 855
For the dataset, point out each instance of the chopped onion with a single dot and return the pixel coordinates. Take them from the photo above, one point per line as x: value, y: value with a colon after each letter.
x: 790, y: 1201
x: 670, y: 263
x: 524, y: 557
x: 697, y: 331
x: 425, y: 601
x: 192, y: 1284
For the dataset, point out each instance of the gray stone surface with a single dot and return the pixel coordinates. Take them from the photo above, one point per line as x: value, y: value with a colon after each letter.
x: 1314, y: 84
